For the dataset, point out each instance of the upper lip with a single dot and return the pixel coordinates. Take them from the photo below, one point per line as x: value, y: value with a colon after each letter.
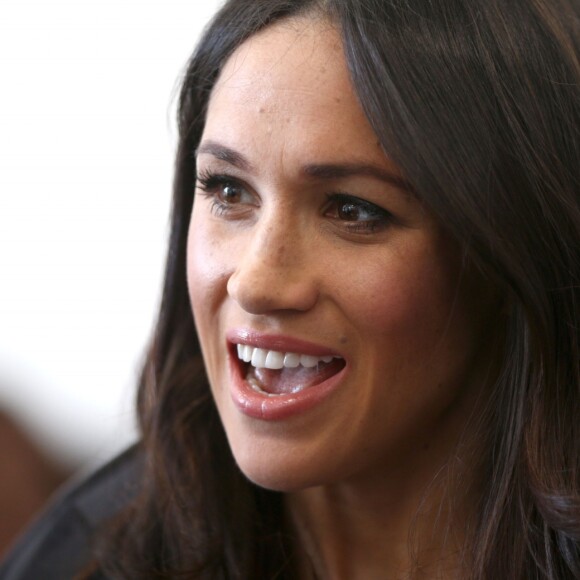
x: 278, y: 342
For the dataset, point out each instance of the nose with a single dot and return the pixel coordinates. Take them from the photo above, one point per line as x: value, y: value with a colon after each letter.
x: 275, y: 270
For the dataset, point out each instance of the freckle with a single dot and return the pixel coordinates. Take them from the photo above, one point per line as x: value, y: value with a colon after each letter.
x: 262, y: 110
x: 337, y: 99
x: 343, y: 339
x: 426, y: 446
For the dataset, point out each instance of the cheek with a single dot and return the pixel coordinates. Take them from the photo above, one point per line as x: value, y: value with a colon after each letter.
x: 405, y: 294
x: 207, y: 273
x: 414, y: 319
x: 207, y: 266
x: 419, y: 343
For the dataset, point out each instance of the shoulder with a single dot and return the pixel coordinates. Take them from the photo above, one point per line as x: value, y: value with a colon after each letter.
x: 58, y: 545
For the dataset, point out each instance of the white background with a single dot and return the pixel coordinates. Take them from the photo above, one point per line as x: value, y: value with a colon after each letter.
x: 87, y: 137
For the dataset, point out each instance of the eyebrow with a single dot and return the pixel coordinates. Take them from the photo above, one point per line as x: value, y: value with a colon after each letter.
x: 323, y: 171
x: 342, y: 170
x: 226, y: 154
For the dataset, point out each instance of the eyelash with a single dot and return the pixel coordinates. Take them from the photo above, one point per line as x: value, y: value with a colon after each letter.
x: 210, y: 184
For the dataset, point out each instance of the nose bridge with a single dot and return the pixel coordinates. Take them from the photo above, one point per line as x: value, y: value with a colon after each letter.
x: 272, y: 270
x: 273, y: 242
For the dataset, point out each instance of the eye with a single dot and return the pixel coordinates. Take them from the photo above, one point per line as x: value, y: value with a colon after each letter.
x: 357, y: 214
x: 224, y: 191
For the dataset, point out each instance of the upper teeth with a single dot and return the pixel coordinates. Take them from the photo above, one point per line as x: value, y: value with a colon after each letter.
x: 273, y: 359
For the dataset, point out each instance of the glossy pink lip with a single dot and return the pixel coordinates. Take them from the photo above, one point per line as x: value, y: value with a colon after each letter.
x: 278, y: 407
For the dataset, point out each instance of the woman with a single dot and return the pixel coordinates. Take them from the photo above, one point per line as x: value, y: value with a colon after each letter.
x: 366, y: 363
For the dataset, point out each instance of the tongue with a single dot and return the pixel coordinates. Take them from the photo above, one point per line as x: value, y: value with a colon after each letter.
x: 284, y: 381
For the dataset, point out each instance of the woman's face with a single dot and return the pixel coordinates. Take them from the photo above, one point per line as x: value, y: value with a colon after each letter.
x: 306, y: 249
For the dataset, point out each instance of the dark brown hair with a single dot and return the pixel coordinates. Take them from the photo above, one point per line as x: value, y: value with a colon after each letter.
x: 479, y: 105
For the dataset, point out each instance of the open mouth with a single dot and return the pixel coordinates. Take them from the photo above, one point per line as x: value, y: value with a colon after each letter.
x: 272, y: 372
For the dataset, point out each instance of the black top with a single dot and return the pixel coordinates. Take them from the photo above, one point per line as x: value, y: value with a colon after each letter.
x: 58, y: 545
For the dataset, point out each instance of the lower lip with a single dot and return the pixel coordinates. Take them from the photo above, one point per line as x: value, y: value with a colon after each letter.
x: 278, y: 407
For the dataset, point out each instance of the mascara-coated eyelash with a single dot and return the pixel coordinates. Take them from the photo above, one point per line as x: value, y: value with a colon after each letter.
x: 210, y: 182
x: 358, y: 215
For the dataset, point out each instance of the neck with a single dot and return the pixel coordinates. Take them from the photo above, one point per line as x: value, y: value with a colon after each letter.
x: 398, y: 525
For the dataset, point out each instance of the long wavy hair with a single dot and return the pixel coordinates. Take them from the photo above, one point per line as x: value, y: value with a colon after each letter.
x: 478, y: 103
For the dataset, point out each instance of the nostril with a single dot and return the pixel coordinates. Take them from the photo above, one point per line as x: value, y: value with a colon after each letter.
x: 259, y: 289
x: 275, y: 270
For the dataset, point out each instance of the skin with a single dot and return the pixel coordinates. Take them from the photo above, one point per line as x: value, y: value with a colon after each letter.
x: 389, y: 293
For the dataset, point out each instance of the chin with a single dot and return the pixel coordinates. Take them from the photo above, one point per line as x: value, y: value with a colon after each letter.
x: 278, y: 471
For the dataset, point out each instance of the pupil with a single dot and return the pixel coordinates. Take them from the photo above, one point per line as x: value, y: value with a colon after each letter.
x: 348, y: 211
x: 229, y: 192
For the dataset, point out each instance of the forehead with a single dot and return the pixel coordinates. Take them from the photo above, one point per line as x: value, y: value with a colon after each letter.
x: 292, y: 77
x: 290, y: 58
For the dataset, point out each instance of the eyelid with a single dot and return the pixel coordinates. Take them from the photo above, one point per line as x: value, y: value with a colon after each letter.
x: 208, y: 178
x: 209, y: 169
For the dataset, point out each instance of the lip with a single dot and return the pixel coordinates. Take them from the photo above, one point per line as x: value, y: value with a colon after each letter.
x: 278, y: 407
